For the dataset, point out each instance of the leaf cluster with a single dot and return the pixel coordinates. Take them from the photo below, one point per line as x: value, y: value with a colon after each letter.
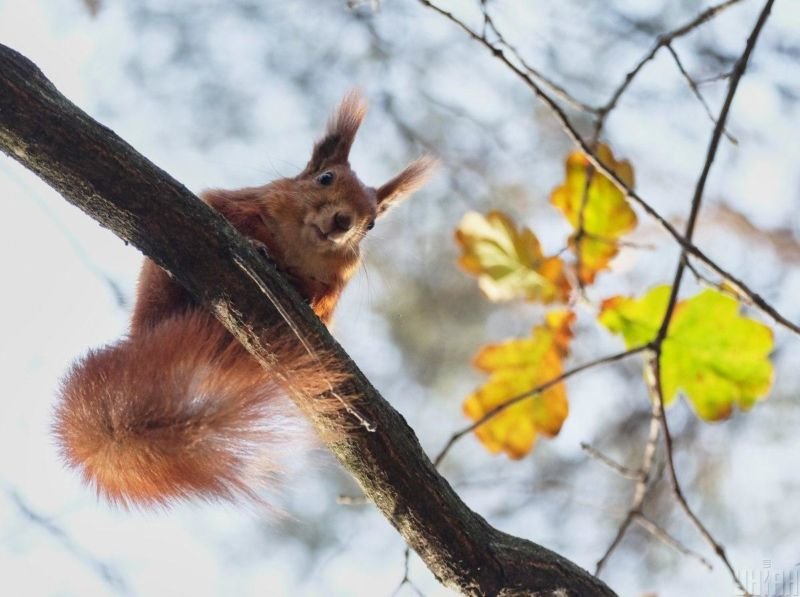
x: 712, y: 355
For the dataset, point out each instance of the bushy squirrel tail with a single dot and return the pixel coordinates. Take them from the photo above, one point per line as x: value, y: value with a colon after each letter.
x: 181, y: 410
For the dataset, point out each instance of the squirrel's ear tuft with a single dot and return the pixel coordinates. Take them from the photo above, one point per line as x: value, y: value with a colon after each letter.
x: 334, y: 147
x: 404, y: 184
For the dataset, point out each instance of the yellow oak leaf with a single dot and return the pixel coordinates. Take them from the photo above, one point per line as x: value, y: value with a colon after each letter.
x: 516, y: 367
x: 509, y: 264
x: 606, y: 213
x: 712, y: 355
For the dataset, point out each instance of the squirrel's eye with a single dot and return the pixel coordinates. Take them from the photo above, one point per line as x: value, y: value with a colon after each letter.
x: 371, y: 225
x: 325, y: 179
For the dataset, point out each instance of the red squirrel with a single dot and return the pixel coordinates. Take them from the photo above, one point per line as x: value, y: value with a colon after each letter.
x: 178, y: 409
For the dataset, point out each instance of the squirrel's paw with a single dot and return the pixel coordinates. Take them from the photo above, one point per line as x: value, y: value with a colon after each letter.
x: 294, y: 278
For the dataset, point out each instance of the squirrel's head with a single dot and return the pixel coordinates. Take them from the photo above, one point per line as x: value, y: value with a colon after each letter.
x: 312, y: 224
x: 338, y: 209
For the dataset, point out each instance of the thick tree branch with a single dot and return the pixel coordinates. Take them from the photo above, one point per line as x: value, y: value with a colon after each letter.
x: 100, y: 173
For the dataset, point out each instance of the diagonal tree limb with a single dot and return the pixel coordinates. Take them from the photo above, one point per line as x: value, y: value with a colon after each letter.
x: 101, y: 174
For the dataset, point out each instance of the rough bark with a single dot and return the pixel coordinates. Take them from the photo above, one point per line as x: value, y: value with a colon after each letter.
x: 104, y: 176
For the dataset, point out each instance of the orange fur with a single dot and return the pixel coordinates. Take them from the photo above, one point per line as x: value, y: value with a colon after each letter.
x: 179, y: 409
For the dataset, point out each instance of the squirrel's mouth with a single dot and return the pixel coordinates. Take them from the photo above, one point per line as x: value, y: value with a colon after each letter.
x: 320, y: 235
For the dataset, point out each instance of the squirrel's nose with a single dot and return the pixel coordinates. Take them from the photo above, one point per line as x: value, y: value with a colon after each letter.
x: 342, y: 221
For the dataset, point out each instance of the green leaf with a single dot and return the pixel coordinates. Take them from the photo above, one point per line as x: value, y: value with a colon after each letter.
x: 712, y: 355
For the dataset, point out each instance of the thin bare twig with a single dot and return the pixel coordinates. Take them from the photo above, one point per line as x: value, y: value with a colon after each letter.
x: 641, y: 487
x: 406, y: 580
x: 533, y: 391
x: 87, y: 261
x: 654, y: 363
x: 662, y: 41
x: 753, y: 297
x: 622, y: 471
x: 723, y: 287
x: 556, y: 89
x: 696, y: 91
x: 701, y: 278
x: 110, y: 576
x: 654, y: 369
x: 663, y: 536
x: 714, y: 78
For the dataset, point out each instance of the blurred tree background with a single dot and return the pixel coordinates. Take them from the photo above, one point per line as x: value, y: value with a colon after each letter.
x: 231, y: 94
